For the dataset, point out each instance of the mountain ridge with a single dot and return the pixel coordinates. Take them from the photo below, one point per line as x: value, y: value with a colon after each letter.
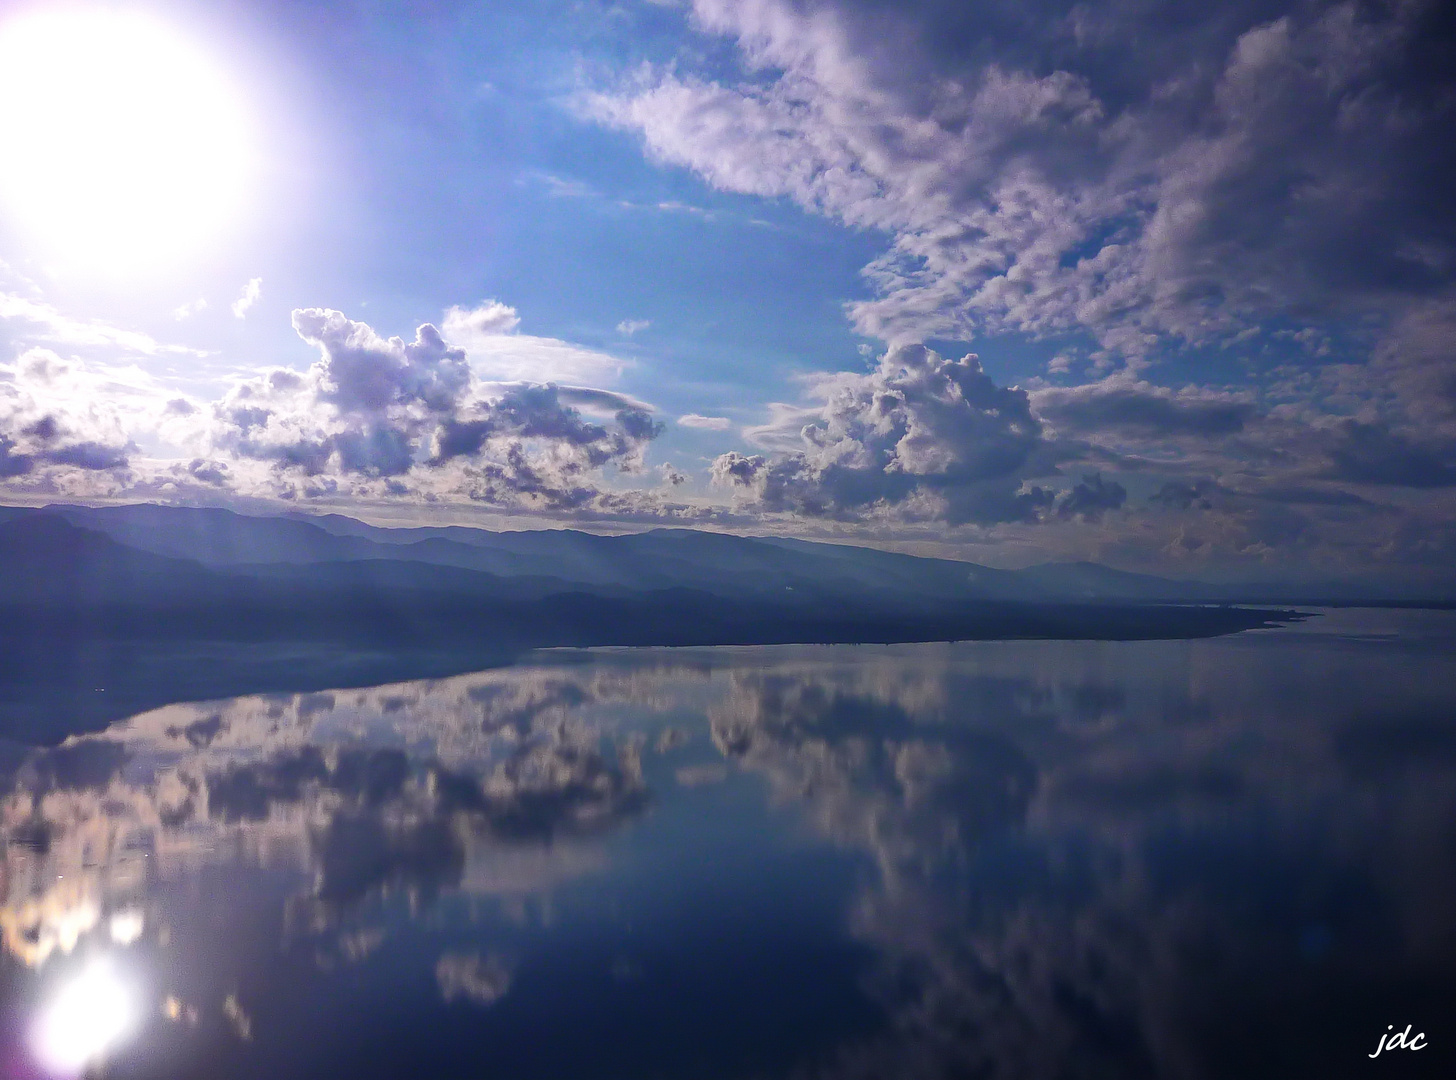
x: 93, y: 629
x: 725, y: 564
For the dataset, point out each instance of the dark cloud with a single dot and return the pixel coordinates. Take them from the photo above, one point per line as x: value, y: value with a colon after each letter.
x: 86, y: 455
x: 1184, y: 494
x: 215, y: 473
x: 247, y: 792
x: 1124, y: 405
x: 359, y: 853
x: 200, y: 733
x: 1304, y: 495
x: 87, y: 765
x: 11, y: 462
x: 1091, y: 498
x: 1374, y: 454
x: 47, y: 441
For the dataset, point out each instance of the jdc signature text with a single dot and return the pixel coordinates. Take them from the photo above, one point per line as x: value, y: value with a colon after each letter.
x: 1401, y: 1040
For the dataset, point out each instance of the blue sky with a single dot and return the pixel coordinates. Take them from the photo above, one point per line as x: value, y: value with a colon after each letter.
x: 1203, y: 262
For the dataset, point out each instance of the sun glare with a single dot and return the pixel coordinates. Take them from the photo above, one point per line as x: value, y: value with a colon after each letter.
x: 88, y: 1016
x: 122, y: 145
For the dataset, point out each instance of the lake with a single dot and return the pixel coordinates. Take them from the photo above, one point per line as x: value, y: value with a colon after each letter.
x: 1231, y: 857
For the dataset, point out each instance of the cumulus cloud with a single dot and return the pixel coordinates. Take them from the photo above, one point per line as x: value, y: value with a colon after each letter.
x: 375, y: 417
x: 252, y: 293
x: 628, y: 327
x: 490, y: 317
x: 920, y: 436
x: 414, y: 417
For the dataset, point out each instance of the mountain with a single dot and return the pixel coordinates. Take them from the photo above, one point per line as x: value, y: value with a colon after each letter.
x: 724, y: 565
x: 104, y: 612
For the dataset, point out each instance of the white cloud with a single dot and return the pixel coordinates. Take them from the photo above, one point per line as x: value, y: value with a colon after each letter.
x: 629, y: 327
x: 62, y: 419
x: 186, y: 311
x: 384, y: 416
x: 57, y: 328
x: 491, y: 317
x: 488, y: 334
x: 705, y: 423
x: 252, y: 293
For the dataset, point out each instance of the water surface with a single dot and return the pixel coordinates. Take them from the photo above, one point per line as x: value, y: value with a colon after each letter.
x: 1228, y: 857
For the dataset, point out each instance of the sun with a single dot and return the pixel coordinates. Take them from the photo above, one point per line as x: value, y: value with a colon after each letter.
x: 123, y: 146
x: 87, y: 1016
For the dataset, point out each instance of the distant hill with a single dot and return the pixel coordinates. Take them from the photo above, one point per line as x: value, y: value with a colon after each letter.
x: 104, y: 612
x: 734, y: 567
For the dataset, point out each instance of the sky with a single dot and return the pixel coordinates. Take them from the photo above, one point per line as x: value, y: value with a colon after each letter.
x: 1157, y: 286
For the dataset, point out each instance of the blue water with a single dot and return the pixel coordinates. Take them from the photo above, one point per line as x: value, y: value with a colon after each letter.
x: 1222, y: 858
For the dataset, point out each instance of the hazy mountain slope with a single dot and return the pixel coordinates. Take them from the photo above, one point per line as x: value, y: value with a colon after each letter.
x: 92, y: 630
x: 43, y: 557
x: 728, y: 566
x: 215, y: 536
x: 658, y: 559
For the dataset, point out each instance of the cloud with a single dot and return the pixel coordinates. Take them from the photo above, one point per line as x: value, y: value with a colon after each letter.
x: 482, y: 981
x: 1416, y: 358
x: 628, y: 327
x: 491, y: 317
x: 252, y: 293
x: 1079, y: 171
x: 414, y: 417
x: 1259, y: 199
x: 375, y: 417
x: 1184, y: 495
x: 1374, y: 454
x: 186, y: 311
x: 705, y: 423
x: 1091, y: 498
x: 57, y: 328
x: 488, y: 334
x: 920, y: 436
x: 1122, y: 404
x: 58, y: 418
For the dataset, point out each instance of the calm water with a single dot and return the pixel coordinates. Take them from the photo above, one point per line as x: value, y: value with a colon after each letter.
x: 1221, y: 858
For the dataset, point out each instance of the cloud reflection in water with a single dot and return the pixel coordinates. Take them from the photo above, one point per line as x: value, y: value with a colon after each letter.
x: 1074, y: 859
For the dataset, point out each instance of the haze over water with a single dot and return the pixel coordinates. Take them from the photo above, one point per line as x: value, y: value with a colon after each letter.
x: 1226, y: 857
